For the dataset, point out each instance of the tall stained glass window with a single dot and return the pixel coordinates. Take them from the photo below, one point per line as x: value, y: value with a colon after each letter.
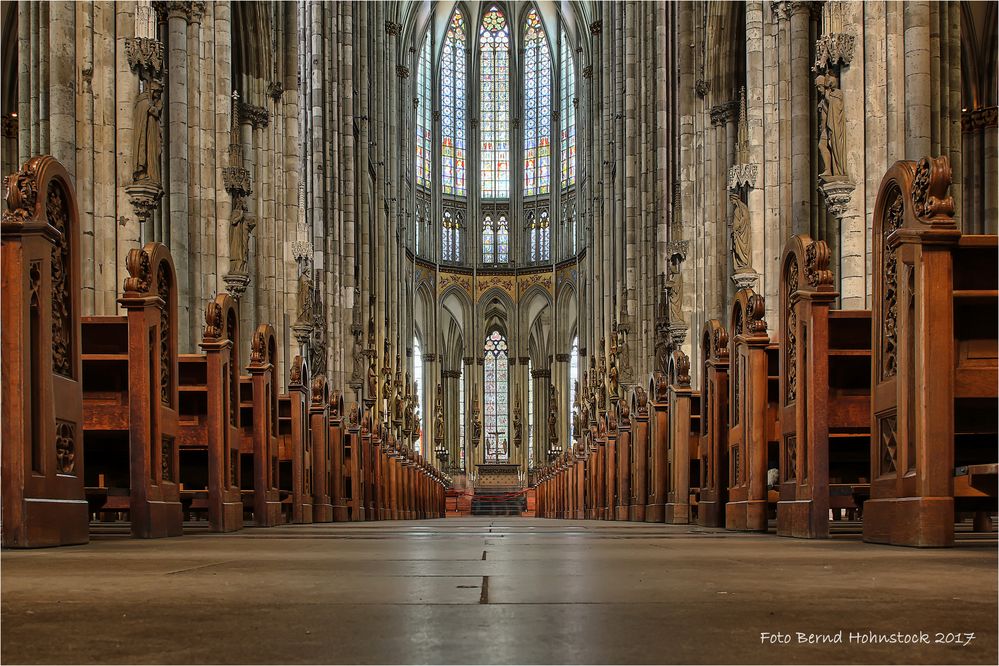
x: 567, y: 118
x: 537, y: 107
x: 530, y: 413
x: 424, y: 124
x: 418, y: 381
x: 453, y: 107
x: 495, y: 240
x: 496, y: 385
x: 539, y: 235
x: 451, y: 228
x: 461, y: 419
x: 494, y: 104
x: 573, y: 374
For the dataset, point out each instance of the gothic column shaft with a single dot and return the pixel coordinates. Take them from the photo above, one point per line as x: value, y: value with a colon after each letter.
x: 176, y: 232
x: 801, y: 115
x: 918, y: 123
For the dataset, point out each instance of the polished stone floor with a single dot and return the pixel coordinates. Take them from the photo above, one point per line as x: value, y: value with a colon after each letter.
x: 502, y: 590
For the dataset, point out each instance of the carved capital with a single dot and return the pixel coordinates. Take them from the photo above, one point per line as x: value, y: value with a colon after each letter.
x: 596, y: 27
x: 10, y: 126
x: 145, y: 198
x: 976, y: 120
x: 274, y: 90
x: 257, y: 116
x: 402, y: 71
x: 837, y: 191
x: 701, y: 87
x: 393, y: 29
x: 588, y: 72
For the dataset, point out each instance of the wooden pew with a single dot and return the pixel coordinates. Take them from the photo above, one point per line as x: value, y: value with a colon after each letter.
x: 713, y: 447
x: 295, y: 451
x: 934, y: 368
x: 354, y: 464
x: 825, y: 361
x: 319, y: 424
x: 752, y: 414
x: 130, y: 399
x: 337, y: 456
x: 655, y: 511
x: 42, y: 421
x: 640, y: 470
x: 682, y: 445
x: 623, y: 464
x: 259, y: 446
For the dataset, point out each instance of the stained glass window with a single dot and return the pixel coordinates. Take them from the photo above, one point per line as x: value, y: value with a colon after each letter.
x: 539, y: 235
x: 451, y: 228
x: 573, y: 374
x: 488, y: 240
x: 496, y: 384
x: 453, y: 107
x: 567, y: 118
x: 495, y: 240
x: 461, y: 419
x: 418, y: 380
x: 537, y: 107
x: 502, y: 240
x: 424, y: 124
x: 530, y: 413
x: 494, y: 104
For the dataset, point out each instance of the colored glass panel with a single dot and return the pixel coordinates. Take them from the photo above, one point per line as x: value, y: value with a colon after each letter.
x: 453, y: 107
x: 567, y: 118
x: 494, y: 106
x: 537, y: 107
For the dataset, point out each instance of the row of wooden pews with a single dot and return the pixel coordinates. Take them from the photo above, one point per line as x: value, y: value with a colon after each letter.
x: 887, y: 415
x: 105, y: 421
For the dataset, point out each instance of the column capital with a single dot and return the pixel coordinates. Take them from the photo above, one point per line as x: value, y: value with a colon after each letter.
x: 785, y: 9
x: 596, y: 27
x: 402, y: 71
x: 978, y: 119
x: 393, y: 29
x: 832, y: 50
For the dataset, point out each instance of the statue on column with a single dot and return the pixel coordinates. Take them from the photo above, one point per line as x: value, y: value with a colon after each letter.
x: 304, y: 297
x: 613, y: 381
x: 239, y: 236
x: 832, y: 126
x: 741, y: 235
x: 552, y: 415
x: 146, y: 149
x: 372, y: 380
x: 675, y: 286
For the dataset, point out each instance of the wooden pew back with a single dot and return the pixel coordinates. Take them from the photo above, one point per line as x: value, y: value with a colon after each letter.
x: 42, y: 424
x: 713, y: 445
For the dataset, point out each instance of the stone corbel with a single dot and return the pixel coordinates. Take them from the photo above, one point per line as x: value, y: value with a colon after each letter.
x: 702, y: 87
x: 837, y: 194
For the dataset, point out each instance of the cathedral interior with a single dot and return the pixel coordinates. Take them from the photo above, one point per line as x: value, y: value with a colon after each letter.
x: 567, y: 331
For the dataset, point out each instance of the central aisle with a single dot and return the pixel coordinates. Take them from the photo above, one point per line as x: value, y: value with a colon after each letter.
x: 488, y: 590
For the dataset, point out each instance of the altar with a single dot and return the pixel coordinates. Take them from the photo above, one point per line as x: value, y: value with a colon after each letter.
x: 498, y: 490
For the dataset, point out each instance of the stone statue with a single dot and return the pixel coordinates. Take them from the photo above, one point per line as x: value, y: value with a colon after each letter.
x: 613, y: 382
x: 146, y: 149
x: 239, y: 236
x: 741, y: 235
x: 832, y: 126
x: 676, y: 296
x: 304, y: 298
x: 372, y: 380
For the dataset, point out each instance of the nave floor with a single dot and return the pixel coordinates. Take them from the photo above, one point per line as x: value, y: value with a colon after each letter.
x: 491, y: 590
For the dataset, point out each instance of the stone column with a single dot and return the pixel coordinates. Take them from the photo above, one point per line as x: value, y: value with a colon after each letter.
x: 176, y: 234
x: 916, y: 22
x: 801, y: 116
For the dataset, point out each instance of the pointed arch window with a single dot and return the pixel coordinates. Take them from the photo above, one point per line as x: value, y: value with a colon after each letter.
x: 494, y: 104
x: 451, y: 229
x: 537, y: 107
x: 424, y: 122
x: 496, y: 385
x: 573, y: 373
x: 453, y: 56
x: 567, y: 118
x: 539, y: 235
x: 495, y: 239
x: 418, y: 382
